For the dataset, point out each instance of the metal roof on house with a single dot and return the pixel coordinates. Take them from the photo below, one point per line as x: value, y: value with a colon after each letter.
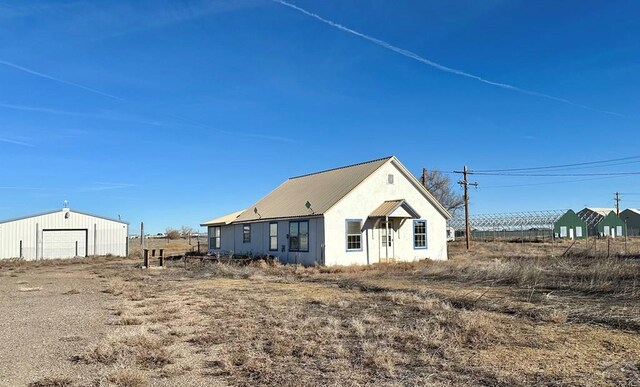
x: 321, y: 190
x: 56, y: 211
x: 388, y: 207
x: 223, y: 220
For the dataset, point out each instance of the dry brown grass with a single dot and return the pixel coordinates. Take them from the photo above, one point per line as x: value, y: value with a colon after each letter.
x: 486, y: 318
x: 140, y: 348
x: 127, y: 378
x: 19, y: 265
x: 55, y: 381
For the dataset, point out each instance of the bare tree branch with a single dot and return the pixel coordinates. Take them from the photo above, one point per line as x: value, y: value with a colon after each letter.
x: 441, y: 187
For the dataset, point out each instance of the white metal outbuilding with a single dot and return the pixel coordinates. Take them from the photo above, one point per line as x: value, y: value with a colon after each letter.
x: 62, y: 234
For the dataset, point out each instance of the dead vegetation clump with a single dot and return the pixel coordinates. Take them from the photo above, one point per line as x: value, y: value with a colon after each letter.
x: 140, y: 348
x: 127, y: 378
x: 53, y: 381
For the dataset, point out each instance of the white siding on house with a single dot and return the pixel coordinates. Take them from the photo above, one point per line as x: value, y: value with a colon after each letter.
x: 39, y: 240
x: 382, y: 187
x: 364, y: 199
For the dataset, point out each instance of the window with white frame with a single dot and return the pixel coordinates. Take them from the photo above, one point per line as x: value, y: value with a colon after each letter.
x: 246, y: 233
x: 273, y: 236
x: 214, y: 237
x: 354, y: 234
x: 299, y: 235
x: 419, y: 234
x: 578, y: 231
x: 563, y: 231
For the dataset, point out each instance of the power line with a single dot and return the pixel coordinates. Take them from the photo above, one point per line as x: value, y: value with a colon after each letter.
x: 550, y: 183
x: 557, y: 166
x: 556, y: 174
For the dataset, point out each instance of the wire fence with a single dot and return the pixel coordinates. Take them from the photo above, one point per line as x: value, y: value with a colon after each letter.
x: 528, y: 225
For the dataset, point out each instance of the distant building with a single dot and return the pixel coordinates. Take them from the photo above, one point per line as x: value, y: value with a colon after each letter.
x: 570, y: 226
x: 62, y: 234
x: 632, y: 218
x: 451, y: 234
x: 375, y: 211
x: 602, y: 222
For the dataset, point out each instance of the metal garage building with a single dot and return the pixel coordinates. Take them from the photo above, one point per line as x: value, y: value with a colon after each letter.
x: 62, y: 234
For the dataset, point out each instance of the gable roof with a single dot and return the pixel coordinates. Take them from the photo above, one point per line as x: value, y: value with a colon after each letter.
x: 634, y: 210
x: 56, y: 211
x: 223, y: 220
x: 594, y: 215
x: 604, y: 211
x: 388, y: 207
x: 321, y: 191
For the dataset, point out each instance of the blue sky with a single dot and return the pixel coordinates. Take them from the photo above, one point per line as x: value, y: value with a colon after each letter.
x: 177, y: 112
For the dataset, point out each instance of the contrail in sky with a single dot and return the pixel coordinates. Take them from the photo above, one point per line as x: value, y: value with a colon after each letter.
x: 106, y: 115
x: 15, y: 142
x: 59, y: 80
x: 413, y: 55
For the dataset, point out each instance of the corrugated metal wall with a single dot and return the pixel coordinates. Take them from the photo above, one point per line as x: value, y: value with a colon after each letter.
x: 24, y: 237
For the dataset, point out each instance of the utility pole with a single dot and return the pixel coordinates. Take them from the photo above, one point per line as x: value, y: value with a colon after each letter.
x: 465, y: 183
x: 618, y: 203
x: 424, y: 177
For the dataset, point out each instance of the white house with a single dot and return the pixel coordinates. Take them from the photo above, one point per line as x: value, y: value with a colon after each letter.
x: 375, y: 211
x: 62, y: 234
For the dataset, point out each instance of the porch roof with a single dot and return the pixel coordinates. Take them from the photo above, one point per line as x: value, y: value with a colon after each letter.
x: 223, y: 220
x: 394, y: 209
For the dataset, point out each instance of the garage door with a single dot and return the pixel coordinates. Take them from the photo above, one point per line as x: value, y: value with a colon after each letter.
x: 64, y: 243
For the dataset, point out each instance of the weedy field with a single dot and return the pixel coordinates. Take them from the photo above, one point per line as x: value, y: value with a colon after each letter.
x: 504, y: 314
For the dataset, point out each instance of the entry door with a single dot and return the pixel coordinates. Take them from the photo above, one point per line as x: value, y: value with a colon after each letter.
x: 571, y: 233
x: 386, y: 241
x: 64, y: 243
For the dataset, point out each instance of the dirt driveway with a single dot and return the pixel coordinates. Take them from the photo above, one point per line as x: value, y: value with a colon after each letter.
x: 47, y: 315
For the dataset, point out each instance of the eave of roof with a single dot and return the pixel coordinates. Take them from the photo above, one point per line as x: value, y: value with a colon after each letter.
x: 56, y: 211
x: 223, y: 220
